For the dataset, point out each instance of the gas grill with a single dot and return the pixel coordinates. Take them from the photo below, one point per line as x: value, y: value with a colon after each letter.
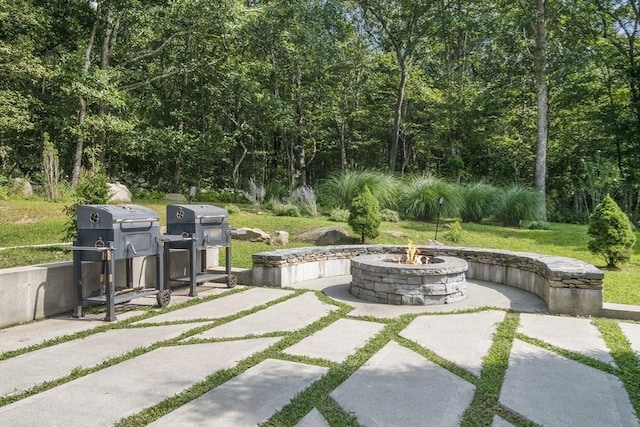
x: 196, y: 228
x: 107, y: 233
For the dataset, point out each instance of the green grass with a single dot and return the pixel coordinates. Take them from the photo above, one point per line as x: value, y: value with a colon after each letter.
x: 34, y: 222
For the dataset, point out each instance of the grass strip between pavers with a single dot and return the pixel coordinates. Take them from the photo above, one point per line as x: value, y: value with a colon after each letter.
x: 625, y: 358
x: 485, y: 404
x: 123, y: 324
x: 172, y: 403
x: 318, y: 395
x: 126, y: 324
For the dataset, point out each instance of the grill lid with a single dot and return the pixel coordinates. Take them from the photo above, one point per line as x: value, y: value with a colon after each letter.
x: 108, y: 216
x: 202, y: 214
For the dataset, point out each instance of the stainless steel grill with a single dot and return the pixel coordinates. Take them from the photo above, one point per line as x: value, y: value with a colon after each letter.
x: 196, y: 228
x: 106, y: 233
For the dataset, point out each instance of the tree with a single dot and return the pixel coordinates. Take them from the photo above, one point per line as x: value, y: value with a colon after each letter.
x: 364, y: 215
x: 542, y: 101
x: 399, y: 26
x: 611, y: 233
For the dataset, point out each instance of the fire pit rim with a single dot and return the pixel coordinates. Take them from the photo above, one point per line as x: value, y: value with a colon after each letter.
x: 445, y: 265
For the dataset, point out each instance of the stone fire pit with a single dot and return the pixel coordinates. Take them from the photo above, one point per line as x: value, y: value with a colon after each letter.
x: 384, y: 278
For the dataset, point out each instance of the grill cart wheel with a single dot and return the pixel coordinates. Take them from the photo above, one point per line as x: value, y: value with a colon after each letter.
x: 164, y: 297
x: 232, y: 281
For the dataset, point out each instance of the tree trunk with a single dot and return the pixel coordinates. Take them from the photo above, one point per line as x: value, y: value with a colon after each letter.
x: 397, y: 119
x: 543, y: 106
x: 82, y: 111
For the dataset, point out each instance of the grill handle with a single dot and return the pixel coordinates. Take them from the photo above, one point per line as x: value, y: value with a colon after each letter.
x: 120, y: 221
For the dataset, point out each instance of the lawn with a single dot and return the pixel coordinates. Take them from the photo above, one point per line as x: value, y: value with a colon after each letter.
x: 33, y: 222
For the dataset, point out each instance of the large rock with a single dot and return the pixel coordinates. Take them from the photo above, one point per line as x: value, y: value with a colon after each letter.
x: 250, y: 235
x: 175, y: 197
x: 325, y: 235
x: 21, y: 187
x: 119, y: 193
x: 279, y: 238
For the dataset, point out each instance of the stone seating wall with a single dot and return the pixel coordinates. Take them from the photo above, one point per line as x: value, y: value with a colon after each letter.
x: 567, y: 285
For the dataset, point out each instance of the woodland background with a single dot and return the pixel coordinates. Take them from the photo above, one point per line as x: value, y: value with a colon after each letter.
x: 220, y: 94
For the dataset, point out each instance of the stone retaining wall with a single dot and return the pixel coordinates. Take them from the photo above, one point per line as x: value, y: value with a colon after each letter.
x: 567, y: 285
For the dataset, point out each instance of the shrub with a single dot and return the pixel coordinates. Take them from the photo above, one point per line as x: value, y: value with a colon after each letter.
x: 255, y: 194
x: 231, y: 208
x: 284, y: 209
x: 91, y: 190
x: 341, y: 188
x: 610, y: 233
x: 455, y: 232
x: 339, y: 215
x: 478, y: 201
x: 516, y: 204
x: 305, y: 199
x: 539, y: 225
x: 420, y: 195
x: 389, y: 215
x: 364, y: 215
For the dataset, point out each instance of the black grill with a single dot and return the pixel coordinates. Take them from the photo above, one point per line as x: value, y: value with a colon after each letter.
x: 196, y: 228
x: 131, y: 230
x: 208, y: 225
x: 107, y: 233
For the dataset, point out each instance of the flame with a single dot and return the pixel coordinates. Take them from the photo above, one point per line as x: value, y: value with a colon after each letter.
x: 412, y: 253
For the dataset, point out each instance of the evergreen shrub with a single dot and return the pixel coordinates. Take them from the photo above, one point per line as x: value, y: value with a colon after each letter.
x: 364, y: 215
x: 610, y: 233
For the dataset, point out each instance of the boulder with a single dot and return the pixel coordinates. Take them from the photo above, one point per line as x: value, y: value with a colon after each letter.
x: 250, y: 235
x: 324, y: 235
x: 279, y: 238
x: 119, y: 193
x: 397, y: 234
x: 175, y: 197
x: 21, y: 187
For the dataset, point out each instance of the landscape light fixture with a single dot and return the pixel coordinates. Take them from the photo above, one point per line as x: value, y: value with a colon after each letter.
x: 440, y: 203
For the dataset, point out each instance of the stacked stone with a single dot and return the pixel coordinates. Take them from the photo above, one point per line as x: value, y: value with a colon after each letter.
x: 375, y: 278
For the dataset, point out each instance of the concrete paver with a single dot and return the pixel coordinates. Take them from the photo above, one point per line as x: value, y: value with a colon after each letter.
x: 104, y: 397
x: 398, y: 387
x: 570, y: 333
x: 337, y: 341
x: 499, y: 422
x: 290, y: 315
x: 554, y: 391
x: 313, y: 419
x: 480, y: 294
x: 632, y: 332
x: 249, y: 398
x: 221, y: 307
x: 463, y: 339
x: 25, y: 371
x: 35, y: 333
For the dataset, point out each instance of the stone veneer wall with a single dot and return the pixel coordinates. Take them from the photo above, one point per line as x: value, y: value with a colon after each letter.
x: 567, y: 285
